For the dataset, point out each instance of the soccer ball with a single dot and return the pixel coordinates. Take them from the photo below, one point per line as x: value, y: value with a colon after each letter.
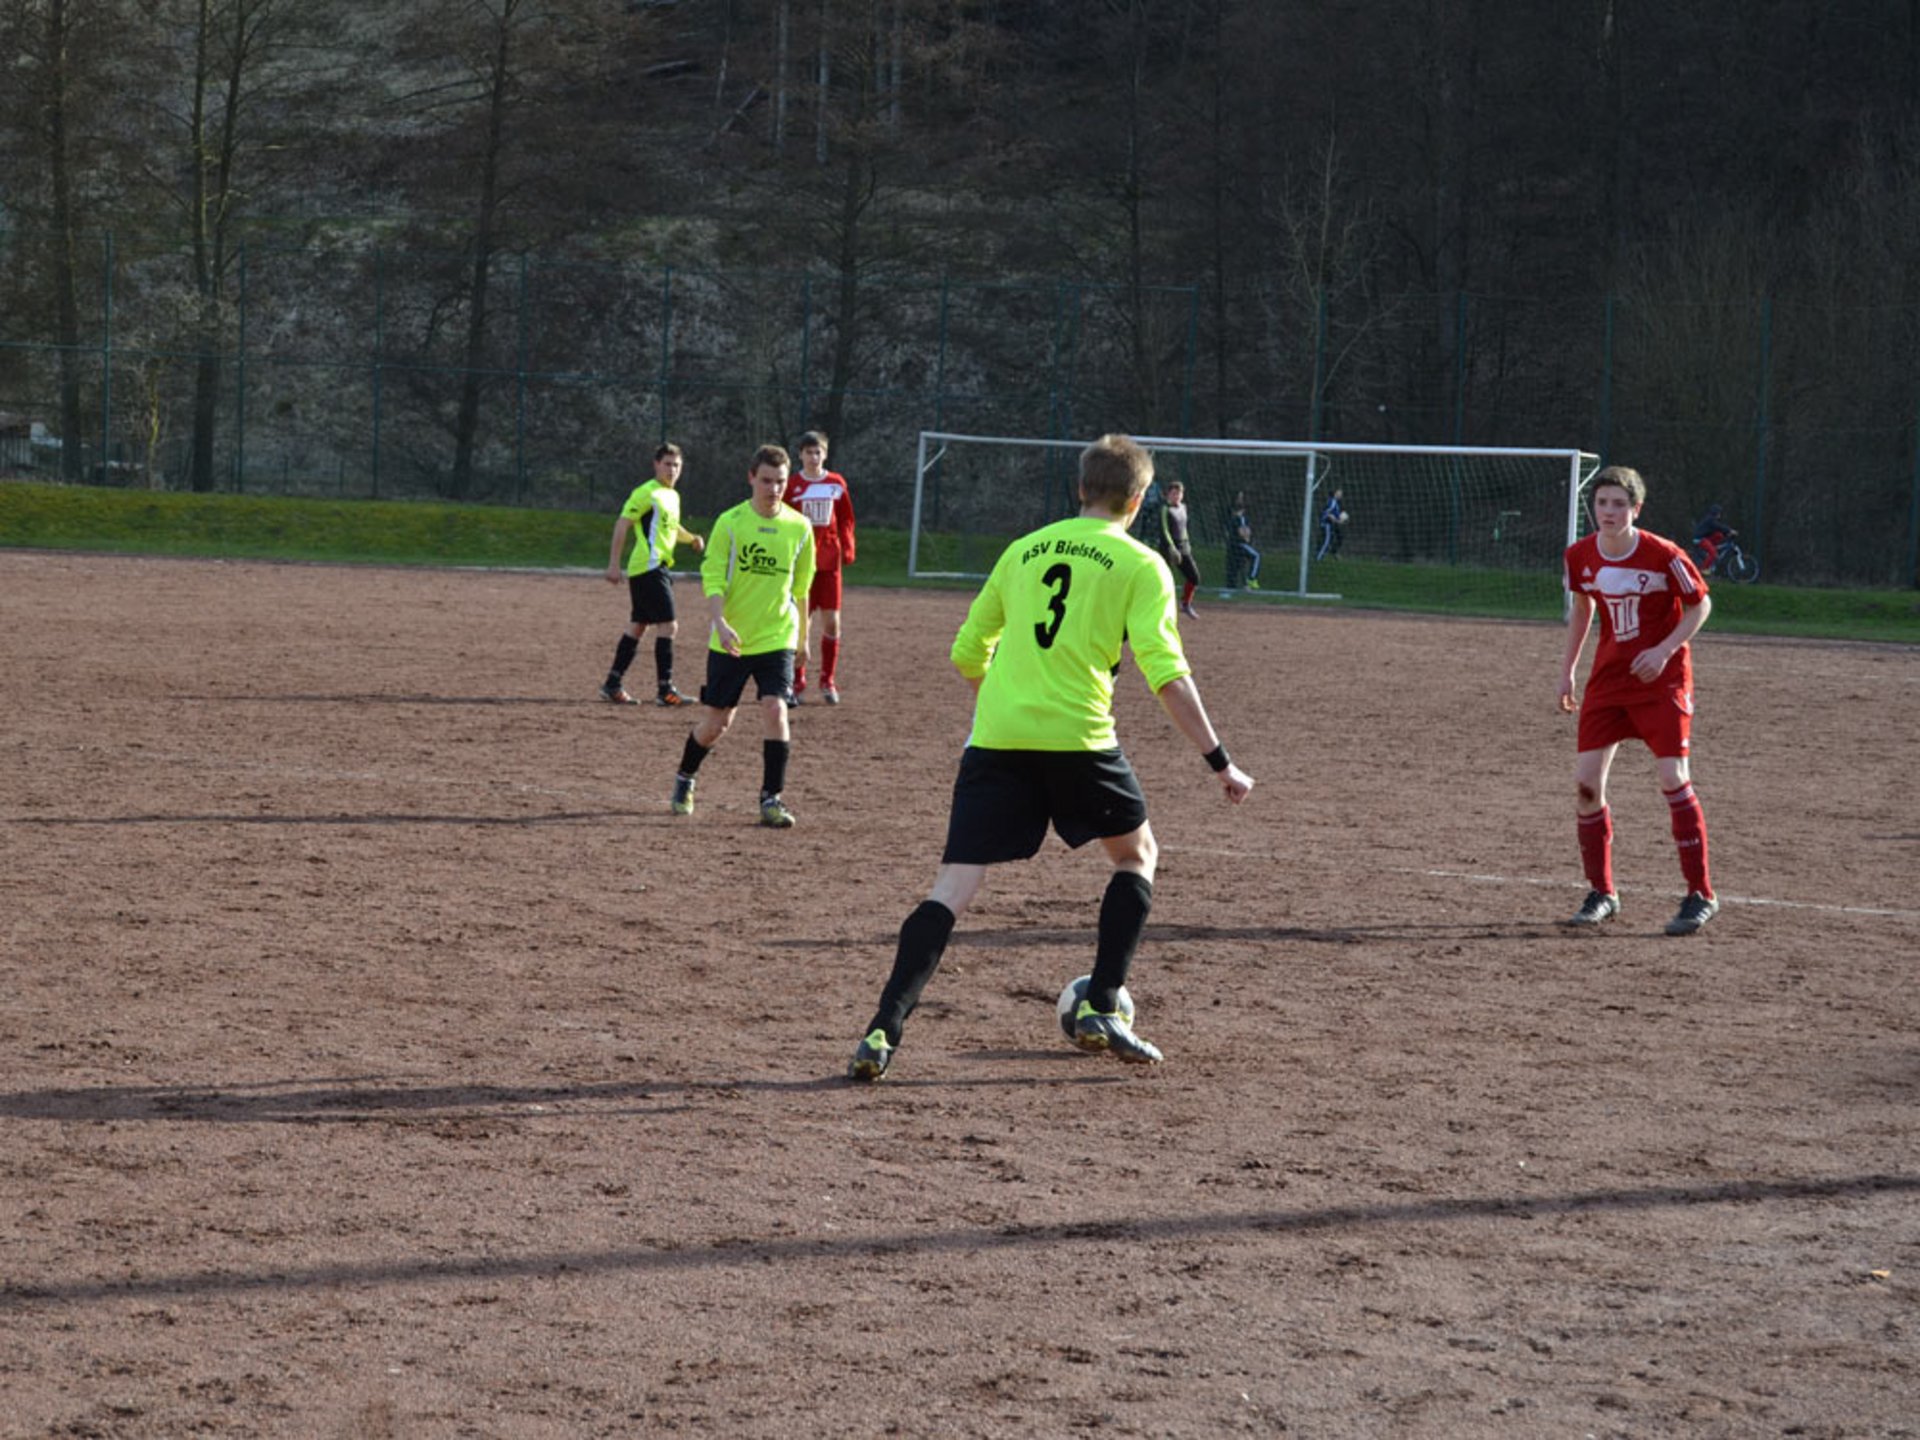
x: 1075, y: 992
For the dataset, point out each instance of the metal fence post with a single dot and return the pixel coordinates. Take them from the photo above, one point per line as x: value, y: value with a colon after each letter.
x: 1913, y: 513
x: 1761, y: 426
x: 379, y: 346
x: 1606, y: 379
x: 1193, y: 359
x: 1459, y: 367
x: 939, y: 400
x: 106, y: 355
x: 806, y: 348
x: 666, y: 346
x: 520, y: 390
x: 240, y: 375
x: 1317, y: 399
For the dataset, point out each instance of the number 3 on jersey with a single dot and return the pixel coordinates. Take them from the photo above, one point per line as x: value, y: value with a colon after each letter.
x: 1059, y: 579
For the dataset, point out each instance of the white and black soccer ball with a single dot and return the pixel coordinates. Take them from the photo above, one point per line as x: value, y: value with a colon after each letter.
x: 1075, y: 992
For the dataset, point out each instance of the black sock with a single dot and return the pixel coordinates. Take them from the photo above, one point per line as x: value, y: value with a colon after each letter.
x: 923, y: 940
x: 1123, y: 915
x: 663, y: 661
x: 622, y: 658
x: 773, y: 765
x: 691, y: 757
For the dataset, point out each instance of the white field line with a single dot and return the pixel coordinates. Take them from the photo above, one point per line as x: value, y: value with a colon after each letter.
x: 1563, y: 884
x: 1729, y: 899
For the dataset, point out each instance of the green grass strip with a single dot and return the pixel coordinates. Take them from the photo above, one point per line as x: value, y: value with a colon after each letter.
x: 142, y: 522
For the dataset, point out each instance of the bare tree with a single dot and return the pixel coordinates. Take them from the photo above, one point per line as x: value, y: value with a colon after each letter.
x: 229, y: 48
x: 63, y: 51
x: 508, y: 98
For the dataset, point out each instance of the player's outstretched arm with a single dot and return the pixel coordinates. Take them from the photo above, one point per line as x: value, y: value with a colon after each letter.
x: 1181, y: 700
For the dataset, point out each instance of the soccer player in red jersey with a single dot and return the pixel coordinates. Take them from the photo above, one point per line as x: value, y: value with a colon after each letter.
x: 1652, y: 601
x: 823, y: 497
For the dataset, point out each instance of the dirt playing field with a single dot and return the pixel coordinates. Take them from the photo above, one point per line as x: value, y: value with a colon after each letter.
x: 380, y: 1058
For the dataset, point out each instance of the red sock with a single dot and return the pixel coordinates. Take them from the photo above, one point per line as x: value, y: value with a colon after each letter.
x: 829, y: 659
x: 1596, y: 849
x: 799, y: 673
x: 1690, y: 837
x: 1186, y: 593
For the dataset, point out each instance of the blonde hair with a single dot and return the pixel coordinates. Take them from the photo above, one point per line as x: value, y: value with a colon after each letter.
x: 1114, y: 472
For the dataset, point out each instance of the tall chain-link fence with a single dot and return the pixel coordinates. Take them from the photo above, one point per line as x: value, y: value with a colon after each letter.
x: 361, y: 370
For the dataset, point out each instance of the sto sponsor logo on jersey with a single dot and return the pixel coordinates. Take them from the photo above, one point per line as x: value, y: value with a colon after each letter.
x: 1067, y: 548
x: 757, y: 559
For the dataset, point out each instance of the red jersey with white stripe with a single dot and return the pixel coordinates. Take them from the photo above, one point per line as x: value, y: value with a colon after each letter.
x: 828, y: 505
x: 1640, y: 599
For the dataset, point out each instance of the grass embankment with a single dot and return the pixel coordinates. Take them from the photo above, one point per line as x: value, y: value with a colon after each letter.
x: 145, y: 522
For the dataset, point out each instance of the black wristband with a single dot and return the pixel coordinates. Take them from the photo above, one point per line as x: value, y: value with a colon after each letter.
x: 1217, y: 758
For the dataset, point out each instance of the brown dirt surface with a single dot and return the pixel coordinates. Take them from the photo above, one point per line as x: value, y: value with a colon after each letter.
x: 379, y: 1057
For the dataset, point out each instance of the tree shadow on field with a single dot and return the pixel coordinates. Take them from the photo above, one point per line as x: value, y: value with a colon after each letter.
x: 370, y: 697
x: 364, y: 1099
x: 1041, y: 937
x: 360, y: 1098
x: 562, y: 817
x: 960, y: 1242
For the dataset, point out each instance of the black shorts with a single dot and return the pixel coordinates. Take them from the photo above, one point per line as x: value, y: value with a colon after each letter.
x: 1183, y: 563
x: 651, y: 595
x: 727, y: 677
x: 1003, y: 801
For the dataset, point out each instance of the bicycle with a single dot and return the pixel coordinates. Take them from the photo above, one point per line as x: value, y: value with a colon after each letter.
x: 1726, y: 561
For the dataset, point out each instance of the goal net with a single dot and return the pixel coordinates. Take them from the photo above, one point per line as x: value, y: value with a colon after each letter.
x: 1475, y: 529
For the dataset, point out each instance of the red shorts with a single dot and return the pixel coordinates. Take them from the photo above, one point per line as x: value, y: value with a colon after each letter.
x: 1664, y: 720
x: 825, y: 594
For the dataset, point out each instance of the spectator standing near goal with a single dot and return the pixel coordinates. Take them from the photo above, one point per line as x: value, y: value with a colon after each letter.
x: 653, y: 510
x: 1174, y: 540
x: 1243, y: 561
x: 1333, y: 524
x: 1041, y: 645
x: 823, y: 497
x: 1652, y: 602
x: 758, y: 566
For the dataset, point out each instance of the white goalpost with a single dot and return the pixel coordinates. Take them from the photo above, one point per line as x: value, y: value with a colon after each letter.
x: 1480, y: 526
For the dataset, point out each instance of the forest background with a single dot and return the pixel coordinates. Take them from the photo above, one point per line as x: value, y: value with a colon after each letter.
x: 497, y: 249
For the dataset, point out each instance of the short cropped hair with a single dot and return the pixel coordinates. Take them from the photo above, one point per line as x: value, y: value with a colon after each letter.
x: 1627, y: 479
x: 669, y: 448
x: 1114, y: 471
x: 812, y: 437
x: 769, y: 455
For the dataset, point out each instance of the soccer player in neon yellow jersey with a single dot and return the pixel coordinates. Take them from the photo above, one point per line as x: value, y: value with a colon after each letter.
x: 758, y: 565
x: 653, y: 510
x: 1041, y: 645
